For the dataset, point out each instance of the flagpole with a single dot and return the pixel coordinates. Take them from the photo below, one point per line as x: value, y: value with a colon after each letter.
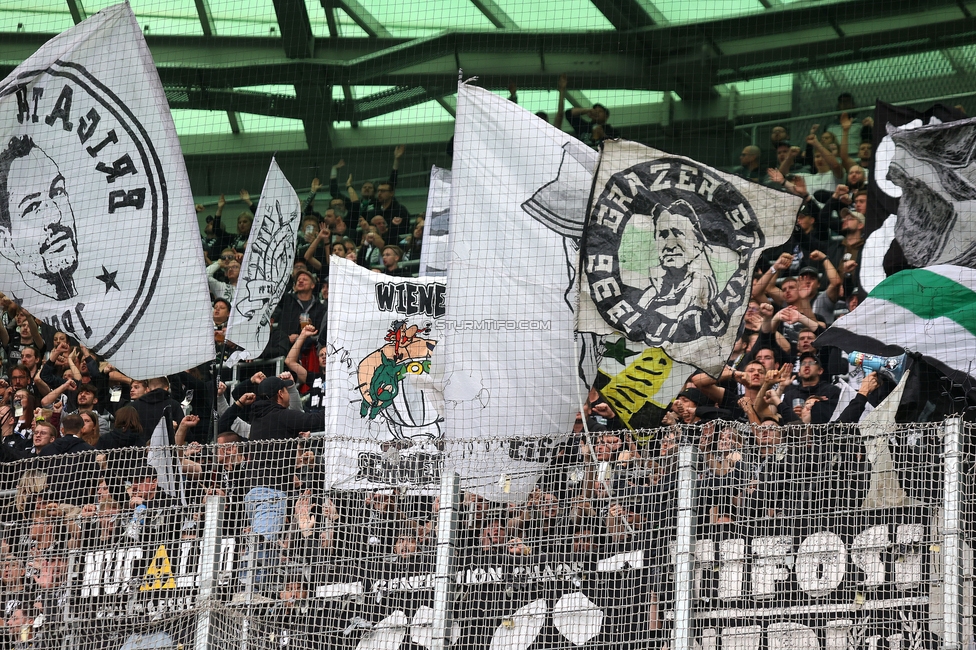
x: 218, y: 364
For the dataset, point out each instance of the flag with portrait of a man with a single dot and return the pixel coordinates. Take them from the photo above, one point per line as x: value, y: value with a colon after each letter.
x: 668, y: 252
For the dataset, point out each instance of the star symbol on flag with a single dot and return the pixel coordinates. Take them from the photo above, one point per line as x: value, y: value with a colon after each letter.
x: 618, y: 351
x: 108, y: 279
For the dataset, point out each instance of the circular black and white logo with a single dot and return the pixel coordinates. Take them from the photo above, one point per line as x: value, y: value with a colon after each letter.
x: 667, y: 251
x: 84, y: 213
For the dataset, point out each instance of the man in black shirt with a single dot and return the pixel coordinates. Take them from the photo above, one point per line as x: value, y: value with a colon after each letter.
x: 275, y: 430
x: 392, y: 255
x: 819, y: 397
x: 396, y: 216
x: 598, y: 115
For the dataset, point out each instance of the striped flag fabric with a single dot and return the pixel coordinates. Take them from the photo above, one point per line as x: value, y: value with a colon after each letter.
x: 929, y: 311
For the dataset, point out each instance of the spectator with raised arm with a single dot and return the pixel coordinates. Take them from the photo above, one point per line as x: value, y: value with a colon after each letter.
x: 814, y: 393
x: 229, y: 266
x: 315, y: 248
x: 828, y: 170
x: 314, y: 383
x: 858, y: 131
x: 295, y: 311
x: 24, y: 333
x: 368, y: 255
x: 396, y: 216
x: 850, y: 248
x: 724, y: 390
x: 597, y: 116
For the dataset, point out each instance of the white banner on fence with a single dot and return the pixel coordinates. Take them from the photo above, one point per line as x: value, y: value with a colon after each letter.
x: 267, y: 264
x: 512, y: 361
x: 381, y: 337
x: 98, y: 235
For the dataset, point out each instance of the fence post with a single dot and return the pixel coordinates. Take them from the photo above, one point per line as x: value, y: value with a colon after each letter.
x: 952, y: 544
x: 684, y: 546
x: 444, y: 571
x: 209, y: 562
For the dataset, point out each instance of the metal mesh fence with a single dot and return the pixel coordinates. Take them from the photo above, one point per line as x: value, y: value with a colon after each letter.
x: 722, y: 536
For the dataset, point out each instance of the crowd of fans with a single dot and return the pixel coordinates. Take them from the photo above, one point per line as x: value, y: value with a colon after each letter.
x: 77, y: 431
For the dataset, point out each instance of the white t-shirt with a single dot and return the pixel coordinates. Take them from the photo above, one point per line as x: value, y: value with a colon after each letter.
x: 825, y: 181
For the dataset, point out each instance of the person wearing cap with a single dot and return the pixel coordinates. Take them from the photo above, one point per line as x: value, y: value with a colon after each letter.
x: 273, y: 465
x: 684, y: 407
x: 819, y: 397
x: 271, y: 419
x: 850, y: 248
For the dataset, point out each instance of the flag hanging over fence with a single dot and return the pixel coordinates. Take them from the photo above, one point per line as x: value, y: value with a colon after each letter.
x: 669, y: 249
x: 382, y: 335
x: 930, y: 311
x: 267, y: 264
x: 98, y: 233
x: 512, y: 362
x: 435, y: 252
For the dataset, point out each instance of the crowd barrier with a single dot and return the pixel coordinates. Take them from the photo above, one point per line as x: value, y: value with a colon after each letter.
x: 720, y: 537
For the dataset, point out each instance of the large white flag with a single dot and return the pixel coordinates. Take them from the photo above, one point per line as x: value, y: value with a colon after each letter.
x: 267, y: 264
x: 382, y: 334
x: 98, y: 235
x: 435, y: 251
x: 669, y: 250
x: 513, y: 365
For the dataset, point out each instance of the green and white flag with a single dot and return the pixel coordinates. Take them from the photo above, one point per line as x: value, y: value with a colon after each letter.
x: 930, y: 311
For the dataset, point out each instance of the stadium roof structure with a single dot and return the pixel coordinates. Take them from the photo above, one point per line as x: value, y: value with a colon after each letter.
x: 326, y: 75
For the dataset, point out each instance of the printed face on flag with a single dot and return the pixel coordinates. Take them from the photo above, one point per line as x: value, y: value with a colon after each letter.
x: 667, y: 256
x: 71, y: 148
x: 653, y: 272
x: 97, y: 225
x: 37, y: 224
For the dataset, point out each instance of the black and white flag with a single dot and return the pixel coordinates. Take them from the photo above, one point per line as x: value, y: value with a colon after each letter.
x: 435, y: 253
x: 98, y: 234
x: 931, y: 170
x: 668, y: 251
x: 267, y: 264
